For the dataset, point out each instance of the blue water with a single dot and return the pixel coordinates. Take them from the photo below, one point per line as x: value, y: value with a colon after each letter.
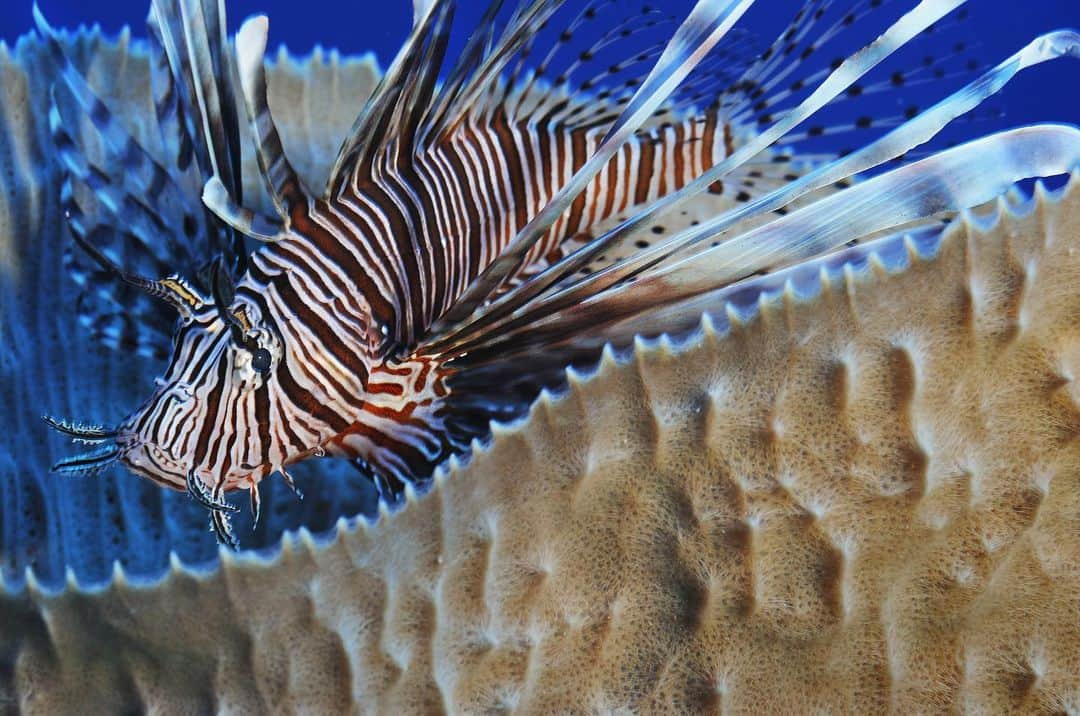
x: 116, y: 517
x: 355, y: 26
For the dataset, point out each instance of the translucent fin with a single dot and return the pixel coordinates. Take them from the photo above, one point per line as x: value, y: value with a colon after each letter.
x: 168, y: 108
x: 704, y: 27
x: 926, y: 13
x: 950, y: 181
x: 127, y: 205
x: 141, y: 174
x: 1062, y: 43
x: 121, y: 196
x: 552, y: 93
x: 119, y: 203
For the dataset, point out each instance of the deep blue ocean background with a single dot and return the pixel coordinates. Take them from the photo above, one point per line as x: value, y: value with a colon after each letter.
x: 991, y: 31
x: 996, y: 28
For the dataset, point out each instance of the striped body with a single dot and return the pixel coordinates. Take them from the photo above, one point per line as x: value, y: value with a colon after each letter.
x: 464, y: 199
x: 340, y: 387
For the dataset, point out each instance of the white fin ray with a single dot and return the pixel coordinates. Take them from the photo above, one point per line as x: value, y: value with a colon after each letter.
x: 854, y: 67
x: 918, y: 130
x: 282, y: 182
x: 705, y: 26
x: 953, y: 180
x: 216, y: 198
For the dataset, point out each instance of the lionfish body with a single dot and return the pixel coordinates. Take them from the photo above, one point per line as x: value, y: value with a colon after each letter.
x: 347, y: 275
x: 479, y: 186
x: 439, y: 280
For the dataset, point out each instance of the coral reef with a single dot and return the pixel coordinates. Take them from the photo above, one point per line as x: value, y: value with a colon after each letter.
x: 861, y: 499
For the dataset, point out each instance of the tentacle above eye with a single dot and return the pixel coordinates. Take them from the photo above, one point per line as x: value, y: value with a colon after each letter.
x: 224, y: 292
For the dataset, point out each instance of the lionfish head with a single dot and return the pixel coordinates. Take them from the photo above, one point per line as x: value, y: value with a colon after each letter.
x: 204, y: 429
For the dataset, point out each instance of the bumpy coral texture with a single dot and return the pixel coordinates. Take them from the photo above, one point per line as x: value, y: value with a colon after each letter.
x: 861, y: 501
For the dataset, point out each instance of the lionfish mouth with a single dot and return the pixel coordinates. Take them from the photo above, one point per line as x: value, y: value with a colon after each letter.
x: 106, y: 450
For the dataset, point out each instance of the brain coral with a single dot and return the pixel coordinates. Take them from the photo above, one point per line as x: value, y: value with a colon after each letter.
x: 861, y: 493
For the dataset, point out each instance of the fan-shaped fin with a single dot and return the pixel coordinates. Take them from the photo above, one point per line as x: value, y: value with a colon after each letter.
x: 848, y: 72
x: 705, y: 26
x: 132, y: 212
x: 1063, y: 43
x: 664, y: 299
x: 141, y: 175
x: 124, y: 209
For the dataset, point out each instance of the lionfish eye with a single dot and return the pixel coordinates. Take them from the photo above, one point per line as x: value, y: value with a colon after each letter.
x: 260, y: 361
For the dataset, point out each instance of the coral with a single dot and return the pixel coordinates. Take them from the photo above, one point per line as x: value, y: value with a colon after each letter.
x: 863, y: 499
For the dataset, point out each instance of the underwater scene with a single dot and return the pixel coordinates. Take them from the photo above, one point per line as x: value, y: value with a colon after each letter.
x: 701, y: 356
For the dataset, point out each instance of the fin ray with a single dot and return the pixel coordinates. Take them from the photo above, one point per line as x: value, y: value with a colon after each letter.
x: 950, y: 181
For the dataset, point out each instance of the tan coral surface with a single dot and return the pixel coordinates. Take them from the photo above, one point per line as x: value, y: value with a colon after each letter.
x: 865, y: 501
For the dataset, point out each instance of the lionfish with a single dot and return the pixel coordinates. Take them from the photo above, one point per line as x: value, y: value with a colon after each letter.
x: 487, y: 222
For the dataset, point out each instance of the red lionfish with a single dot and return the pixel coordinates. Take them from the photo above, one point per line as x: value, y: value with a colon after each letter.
x: 458, y: 257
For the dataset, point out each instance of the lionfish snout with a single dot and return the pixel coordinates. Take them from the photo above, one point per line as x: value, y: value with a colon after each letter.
x: 105, y: 448
x: 119, y: 444
x: 148, y: 460
x: 144, y: 458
